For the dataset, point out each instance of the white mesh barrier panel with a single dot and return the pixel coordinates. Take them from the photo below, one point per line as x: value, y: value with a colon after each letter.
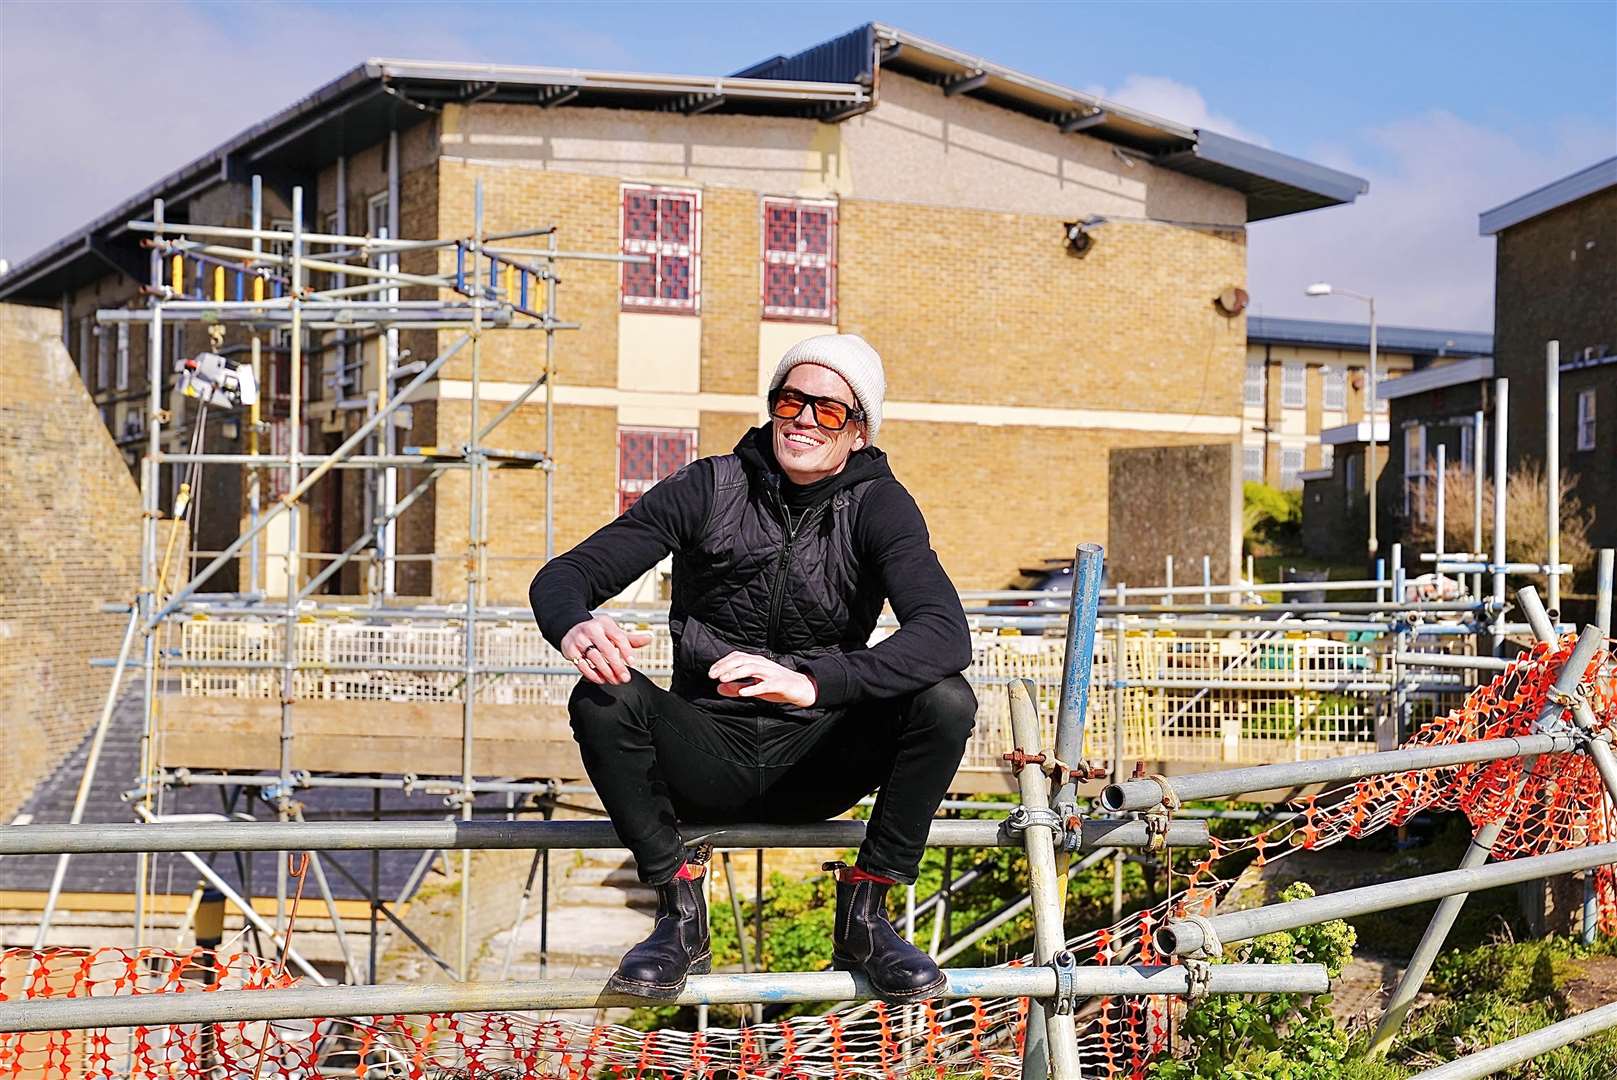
x: 1214, y: 699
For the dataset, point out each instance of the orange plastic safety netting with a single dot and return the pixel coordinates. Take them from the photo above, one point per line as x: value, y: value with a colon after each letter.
x: 870, y: 1042
x: 1554, y: 803
x: 1551, y: 803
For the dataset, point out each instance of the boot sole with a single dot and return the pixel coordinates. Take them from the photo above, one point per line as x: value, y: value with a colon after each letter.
x: 898, y: 997
x: 617, y: 984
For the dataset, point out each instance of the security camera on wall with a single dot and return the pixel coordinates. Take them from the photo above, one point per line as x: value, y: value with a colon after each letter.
x: 1080, y: 235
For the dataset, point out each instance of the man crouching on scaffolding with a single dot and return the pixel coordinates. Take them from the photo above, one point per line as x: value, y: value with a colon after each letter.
x: 784, y: 552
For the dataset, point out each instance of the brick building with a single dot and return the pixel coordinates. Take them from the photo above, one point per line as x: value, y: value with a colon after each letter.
x: 1305, y: 377
x: 1556, y: 279
x: 877, y: 183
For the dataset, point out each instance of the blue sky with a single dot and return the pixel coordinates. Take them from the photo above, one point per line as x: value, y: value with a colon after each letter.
x: 1447, y: 108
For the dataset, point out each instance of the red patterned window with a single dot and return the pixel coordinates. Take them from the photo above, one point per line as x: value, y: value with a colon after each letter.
x: 800, y: 260
x: 646, y: 455
x: 664, y: 224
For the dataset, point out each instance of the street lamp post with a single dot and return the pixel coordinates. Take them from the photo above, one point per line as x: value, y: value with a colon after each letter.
x: 1321, y: 288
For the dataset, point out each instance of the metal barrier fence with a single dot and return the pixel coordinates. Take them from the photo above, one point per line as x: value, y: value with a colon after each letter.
x: 1227, y: 699
x: 1544, y: 723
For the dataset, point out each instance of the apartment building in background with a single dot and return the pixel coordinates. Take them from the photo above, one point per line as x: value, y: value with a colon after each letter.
x: 1304, y: 394
x: 1555, y: 278
x: 1042, y: 272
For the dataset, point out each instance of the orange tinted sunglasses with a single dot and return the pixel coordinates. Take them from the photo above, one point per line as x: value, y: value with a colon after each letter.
x: 829, y: 413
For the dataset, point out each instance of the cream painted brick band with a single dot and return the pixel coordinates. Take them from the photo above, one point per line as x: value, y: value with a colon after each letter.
x: 933, y: 412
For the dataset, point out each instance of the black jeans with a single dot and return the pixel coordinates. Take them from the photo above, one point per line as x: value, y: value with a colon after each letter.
x: 655, y: 759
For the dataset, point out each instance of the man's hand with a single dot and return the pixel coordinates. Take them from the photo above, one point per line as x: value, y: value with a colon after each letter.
x: 745, y: 675
x: 601, y: 649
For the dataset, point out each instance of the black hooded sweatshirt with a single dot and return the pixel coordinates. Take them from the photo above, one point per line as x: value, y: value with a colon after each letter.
x: 873, y: 546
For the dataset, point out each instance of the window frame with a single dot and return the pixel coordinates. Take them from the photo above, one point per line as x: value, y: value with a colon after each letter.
x: 86, y: 363
x: 1587, y: 431
x: 1415, y: 434
x: 1415, y: 439
x: 103, y: 356
x: 693, y: 251
x: 1301, y: 458
x: 1352, y: 476
x: 658, y: 432
x: 121, y: 358
x: 374, y: 230
x: 797, y: 314
x: 1253, y: 389
x: 1333, y: 390
x: 1247, y: 471
x: 1293, y: 376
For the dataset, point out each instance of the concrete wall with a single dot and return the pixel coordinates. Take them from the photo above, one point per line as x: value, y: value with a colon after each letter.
x: 1183, y: 501
x: 69, y: 541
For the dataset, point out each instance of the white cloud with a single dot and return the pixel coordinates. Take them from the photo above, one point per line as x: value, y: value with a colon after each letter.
x: 1412, y: 240
x: 1171, y: 100
x: 97, y: 101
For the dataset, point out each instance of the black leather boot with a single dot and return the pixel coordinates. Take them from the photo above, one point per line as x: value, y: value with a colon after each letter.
x: 678, y: 945
x: 864, y: 940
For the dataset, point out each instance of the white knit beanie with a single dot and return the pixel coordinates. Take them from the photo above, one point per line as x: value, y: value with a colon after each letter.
x: 850, y: 356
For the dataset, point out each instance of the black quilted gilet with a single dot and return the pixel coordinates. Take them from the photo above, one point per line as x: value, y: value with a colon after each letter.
x: 752, y: 584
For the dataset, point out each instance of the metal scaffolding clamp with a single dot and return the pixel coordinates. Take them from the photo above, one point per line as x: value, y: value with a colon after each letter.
x: 1065, y: 965
x: 1568, y: 699
x: 1051, y: 765
x: 1211, y: 947
x: 1019, y: 758
x: 1023, y: 818
x: 1156, y: 831
x: 1198, y: 979
x: 1170, y: 797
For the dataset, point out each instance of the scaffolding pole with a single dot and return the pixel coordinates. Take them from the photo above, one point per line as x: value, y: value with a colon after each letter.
x: 1191, y: 937
x: 1149, y: 793
x: 1526, y: 1048
x: 460, y: 834
x: 1052, y: 1041
x: 775, y: 988
x: 1477, y: 853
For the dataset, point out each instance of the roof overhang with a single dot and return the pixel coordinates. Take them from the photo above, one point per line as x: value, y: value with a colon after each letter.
x: 359, y: 109
x: 1275, y: 184
x: 1349, y: 434
x: 1437, y: 377
x: 828, y: 82
x: 1584, y: 182
x: 1272, y: 330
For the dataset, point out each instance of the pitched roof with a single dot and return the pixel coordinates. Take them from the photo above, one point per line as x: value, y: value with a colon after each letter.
x: 1597, y: 177
x: 1436, y: 377
x: 1346, y: 335
x: 829, y: 82
x: 1275, y: 184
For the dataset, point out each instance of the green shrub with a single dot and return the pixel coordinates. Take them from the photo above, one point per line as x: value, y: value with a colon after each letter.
x: 1499, y: 992
x: 1269, y: 1036
x: 1272, y: 520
